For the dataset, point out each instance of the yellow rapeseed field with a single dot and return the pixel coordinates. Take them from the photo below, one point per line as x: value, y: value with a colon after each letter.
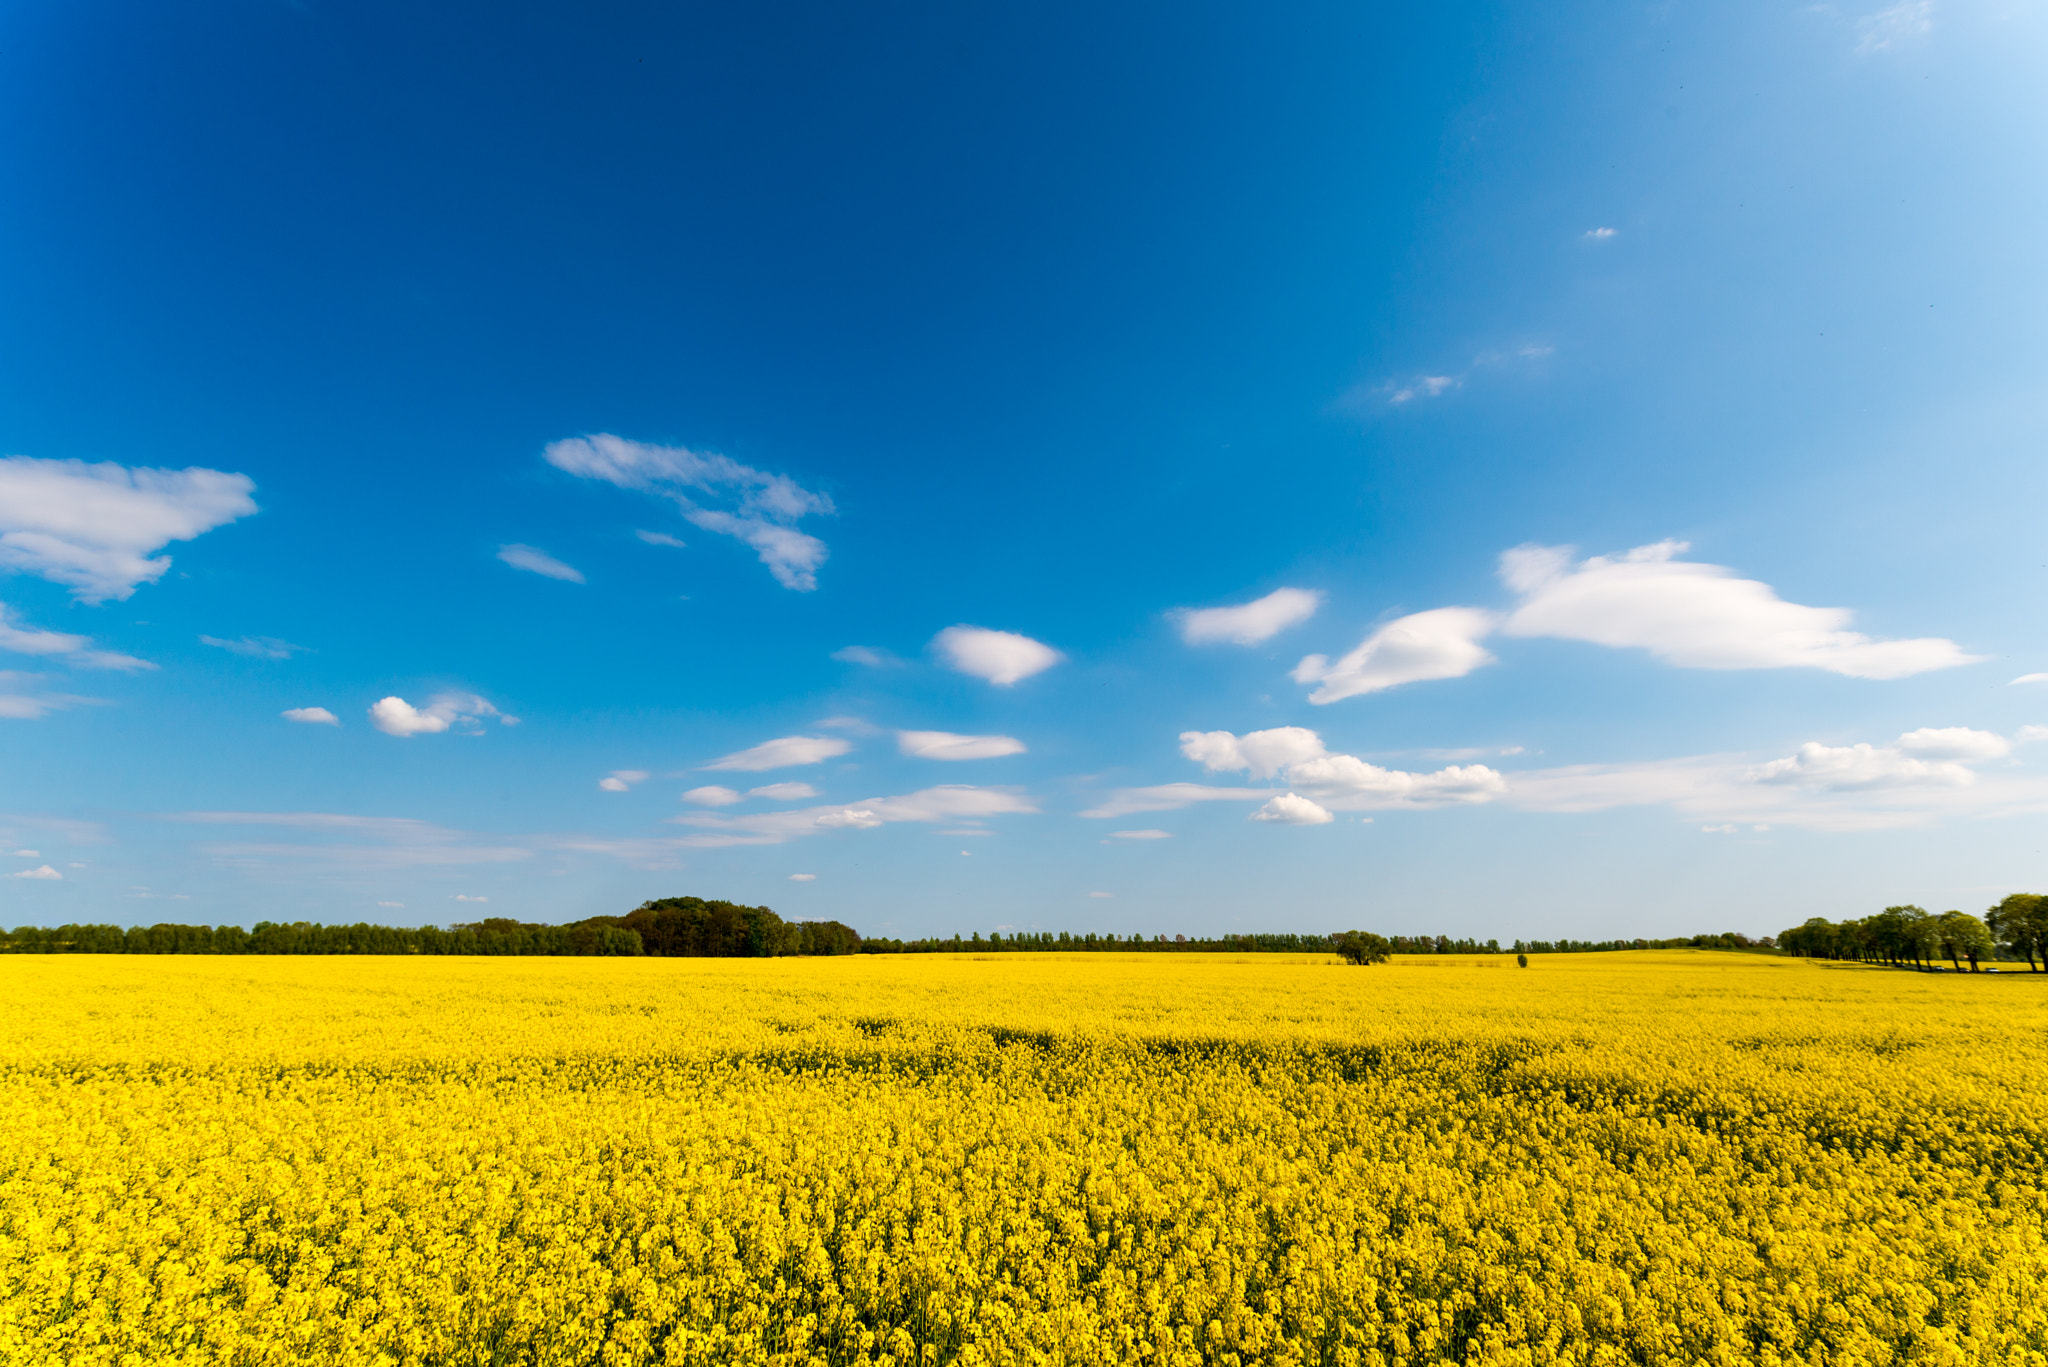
x: 1681, y: 1158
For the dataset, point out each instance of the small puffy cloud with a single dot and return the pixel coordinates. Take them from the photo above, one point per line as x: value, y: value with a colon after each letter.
x: 869, y: 656
x: 1954, y: 742
x: 784, y: 792
x: 96, y: 528
x: 947, y: 745
x: 463, y: 712
x: 661, y: 539
x: 1001, y: 657
x: 803, y: 878
x: 255, y: 647
x: 77, y: 651
x: 761, y: 510
x: 26, y: 854
x: 784, y: 752
x: 1599, y: 234
x: 1261, y: 753
x: 1092, y: 894
x: 461, y: 898
x: 539, y: 562
x: 312, y: 716
x: 622, y: 780
x: 1293, y: 810
x: 1860, y: 766
x: 1248, y: 623
x: 1698, y: 616
x: 2031, y: 679
x: 712, y: 795
x: 2027, y: 735
x: 41, y: 874
x: 1141, y: 835
x: 398, y: 905
x: 1724, y: 829
x: 1442, y: 643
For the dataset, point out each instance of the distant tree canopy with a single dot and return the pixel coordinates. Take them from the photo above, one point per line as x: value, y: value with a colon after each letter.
x: 1907, y: 936
x: 671, y: 927
x: 1362, y: 947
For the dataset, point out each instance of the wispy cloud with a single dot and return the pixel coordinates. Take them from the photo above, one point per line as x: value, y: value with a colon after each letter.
x: 255, y: 647
x: 1894, y: 27
x: 1297, y: 756
x: 1248, y: 623
x: 948, y: 746
x: 316, y: 716
x: 95, y: 528
x: 76, y: 651
x: 783, y: 752
x: 622, y: 780
x: 873, y: 657
x: 23, y: 697
x: 538, y: 561
x: 947, y: 803
x: 762, y: 510
x: 1442, y: 643
x: 1599, y: 234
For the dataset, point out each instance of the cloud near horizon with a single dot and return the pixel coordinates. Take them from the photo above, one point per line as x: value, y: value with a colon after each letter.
x: 763, y: 511
x: 95, y: 528
x: 1297, y: 756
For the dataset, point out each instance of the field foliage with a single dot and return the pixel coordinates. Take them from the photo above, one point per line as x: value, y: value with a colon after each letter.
x: 1668, y: 1157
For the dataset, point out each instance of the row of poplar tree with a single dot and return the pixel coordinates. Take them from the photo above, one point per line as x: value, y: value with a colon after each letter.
x: 1909, y: 936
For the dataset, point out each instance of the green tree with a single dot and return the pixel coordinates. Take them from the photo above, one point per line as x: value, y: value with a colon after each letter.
x: 2020, y: 923
x: 1363, y: 947
x: 1960, y: 933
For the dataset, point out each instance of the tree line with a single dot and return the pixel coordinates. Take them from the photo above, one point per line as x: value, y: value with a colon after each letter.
x: 669, y: 927
x: 1910, y: 937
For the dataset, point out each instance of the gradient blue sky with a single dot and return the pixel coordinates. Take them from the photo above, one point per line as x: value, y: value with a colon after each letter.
x: 1693, y: 355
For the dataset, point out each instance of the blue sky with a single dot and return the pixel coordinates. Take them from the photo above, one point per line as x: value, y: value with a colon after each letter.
x: 797, y: 455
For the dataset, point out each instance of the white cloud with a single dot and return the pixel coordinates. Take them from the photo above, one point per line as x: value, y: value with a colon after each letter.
x: 1442, y: 643
x: 95, y: 527
x: 622, y: 780
x: 783, y: 752
x: 1599, y: 234
x: 1261, y: 753
x: 784, y: 792
x: 539, y: 561
x: 1001, y: 657
x: 21, y: 698
x: 1170, y: 797
x: 316, y: 716
x: 1842, y: 767
x: 2031, y: 678
x: 853, y: 725
x: 1423, y: 387
x: 399, y: 905
x: 1248, y: 623
x: 1141, y: 835
x: 803, y: 878
x: 27, y: 854
x: 1293, y: 810
x: 712, y: 795
x: 1092, y: 894
x: 2027, y: 735
x: 765, y: 508
x: 73, y: 650
x: 461, y: 898
x: 935, y: 806
x: 946, y: 745
x: 1342, y: 781
x: 1818, y: 787
x: 44, y: 874
x: 1955, y: 742
x: 463, y: 712
x: 661, y: 539
x: 255, y: 647
x: 1698, y: 616
x: 865, y: 655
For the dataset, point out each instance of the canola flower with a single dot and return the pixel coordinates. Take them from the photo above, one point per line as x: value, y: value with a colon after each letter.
x: 1665, y: 1157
